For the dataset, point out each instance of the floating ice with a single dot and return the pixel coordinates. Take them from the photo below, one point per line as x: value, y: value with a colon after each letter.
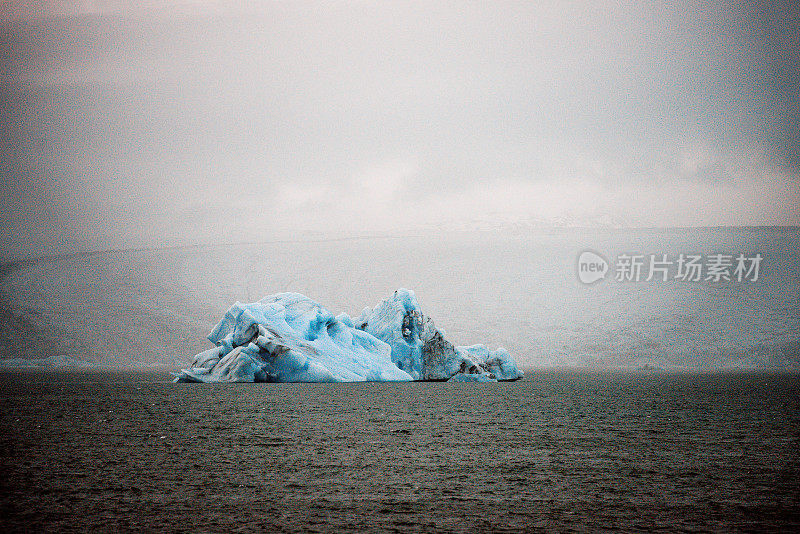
x: 498, y: 362
x: 288, y: 337
x: 398, y: 321
x: 420, y: 349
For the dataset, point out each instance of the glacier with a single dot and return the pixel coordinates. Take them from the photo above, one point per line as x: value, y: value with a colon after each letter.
x: 287, y: 337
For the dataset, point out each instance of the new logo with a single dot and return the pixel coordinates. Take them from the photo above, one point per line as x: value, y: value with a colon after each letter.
x: 591, y: 267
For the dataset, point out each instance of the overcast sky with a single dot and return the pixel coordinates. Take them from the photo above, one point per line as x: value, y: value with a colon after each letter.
x: 198, y: 122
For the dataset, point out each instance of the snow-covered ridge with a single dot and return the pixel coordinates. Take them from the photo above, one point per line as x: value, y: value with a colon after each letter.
x: 287, y: 337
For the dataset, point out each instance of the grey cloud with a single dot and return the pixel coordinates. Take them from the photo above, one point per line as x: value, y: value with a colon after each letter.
x: 139, y: 114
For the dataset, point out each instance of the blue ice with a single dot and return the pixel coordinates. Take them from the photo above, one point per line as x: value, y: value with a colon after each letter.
x: 287, y: 337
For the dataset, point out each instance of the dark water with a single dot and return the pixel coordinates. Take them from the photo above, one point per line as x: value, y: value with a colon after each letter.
x: 557, y: 451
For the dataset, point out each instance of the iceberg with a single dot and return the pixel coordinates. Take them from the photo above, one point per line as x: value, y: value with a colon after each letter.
x: 420, y: 349
x: 287, y: 337
x: 398, y: 322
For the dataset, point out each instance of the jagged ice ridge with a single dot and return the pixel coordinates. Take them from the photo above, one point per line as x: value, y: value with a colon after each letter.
x: 287, y: 337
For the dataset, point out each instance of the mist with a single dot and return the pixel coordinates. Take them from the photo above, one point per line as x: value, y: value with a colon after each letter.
x: 196, y: 123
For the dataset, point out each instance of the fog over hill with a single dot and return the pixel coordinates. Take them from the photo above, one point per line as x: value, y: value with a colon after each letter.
x: 518, y: 291
x: 467, y: 151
